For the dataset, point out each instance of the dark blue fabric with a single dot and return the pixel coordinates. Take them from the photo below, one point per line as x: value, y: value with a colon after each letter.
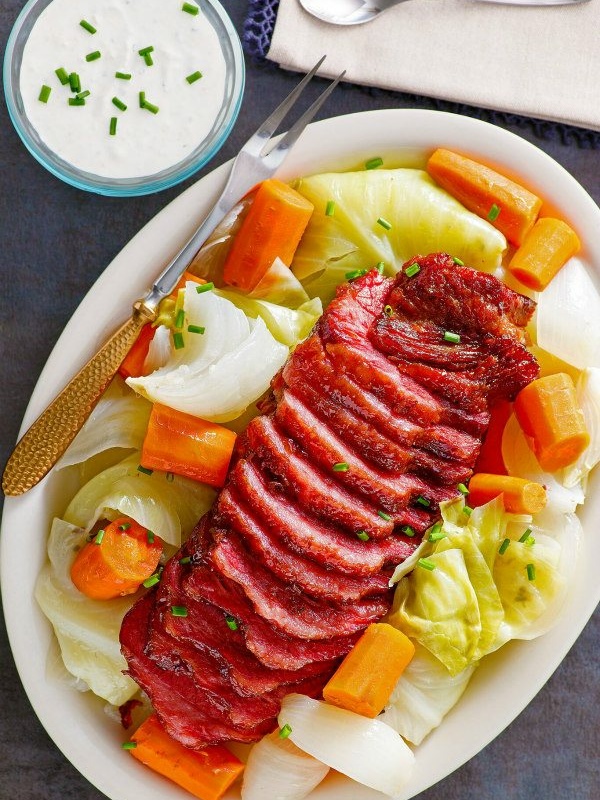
x: 258, y: 31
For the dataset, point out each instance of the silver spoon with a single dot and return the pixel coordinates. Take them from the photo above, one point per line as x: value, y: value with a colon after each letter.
x: 355, y: 12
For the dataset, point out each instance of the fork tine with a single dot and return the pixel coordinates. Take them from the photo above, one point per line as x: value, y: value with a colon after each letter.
x: 270, y: 125
x: 294, y: 132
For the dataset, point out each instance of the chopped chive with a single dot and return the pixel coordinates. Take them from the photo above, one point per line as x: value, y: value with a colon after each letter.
x: 355, y: 273
x: 99, y: 536
x: 170, y: 476
x: 87, y: 26
x: 425, y: 563
x: 462, y: 489
x: 185, y: 560
x: 458, y: 261
x: 454, y: 338
x: 205, y: 287
x: 373, y: 163
x: 436, y: 528
x: 74, y: 82
x: 285, y: 731
x: 62, y: 75
x: 113, y: 126
x: 145, y: 470
x: 195, y: 76
x: 468, y: 510
x: 330, y: 208
x: 435, y: 537
x: 408, y: 530
x: 150, y: 536
x: 152, y: 580
x: 146, y: 50
x: 504, y: 547
x: 196, y: 328
x: 363, y: 536
x: 413, y: 270
x: 179, y: 611
x: 341, y: 466
x: 82, y: 95
x: 178, y: 341
x: 150, y: 107
x: 142, y: 99
x: 119, y: 104
x: 190, y: 9
x: 123, y: 76
x: 423, y: 501
x: 129, y: 745
x: 125, y: 526
x: 180, y: 318
x: 525, y: 536
x: 148, y: 60
x: 76, y: 101
x: 388, y: 311
x: 531, y: 572
x: 384, y: 516
x: 384, y: 223
x: 530, y: 541
x: 494, y: 212
x: 93, y: 56
x: 380, y: 267
x: 231, y: 622
x: 44, y: 94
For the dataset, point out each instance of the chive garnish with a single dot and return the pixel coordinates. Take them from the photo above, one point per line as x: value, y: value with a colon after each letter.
x: 423, y: 501
x: 150, y: 107
x: 113, y: 126
x: 152, y: 580
x: 145, y: 50
x: 531, y: 572
x: 388, y: 311
x: 99, y: 536
x: 373, y: 163
x: 205, y: 287
x: 468, y: 510
x: 363, y: 536
x: 74, y: 82
x: 119, y: 104
x: 384, y: 516
x: 148, y: 60
x: 413, y: 270
x: 179, y: 611
x: 93, y: 56
x: 330, y: 208
x: 435, y: 537
x: 231, y: 622
x: 355, y: 273
x: 150, y: 536
x: 449, y: 336
x: 123, y: 76
x: 195, y: 76
x: 525, y: 536
x: 145, y: 470
x: 408, y: 530
x: 62, y: 75
x: 436, y: 528
x: 180, y: 318
x: 462, y: 488
x: 493, y: 213
x: 384, y: 223
x: 87, y: 26
x: 285, y: 731
x: 458, y: 261
x: 504, y: 547
x: 76, y: 101
x: 82, y: 95
x: 129, y: 745
x: 44, y: 94
x: 190, y: 9
x: 425, y: 563
x: 341, y: 466
x: 125, y: 526
x: 178, y: 341
x: 196, y: 328
x: 185, y: 560
x: 380, y: 267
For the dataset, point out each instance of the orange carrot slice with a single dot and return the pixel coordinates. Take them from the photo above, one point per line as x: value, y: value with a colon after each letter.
x: 552, y: 420
x: 509, y: 207
x: 184, y: 444
x: 117, y: 561
x: 520, y: 496
x: 490, y: 456
x: 271, y: 229
x: 206, y: 773
x: 365, y: 679
x: 132, y: 365
x: 546, y: 248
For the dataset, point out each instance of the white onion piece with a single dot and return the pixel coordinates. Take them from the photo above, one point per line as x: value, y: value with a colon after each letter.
x: 279, y: 770
x: 159, y: 349
x: 567, y: 317
x: 588, y: 396
x: 364, y: 749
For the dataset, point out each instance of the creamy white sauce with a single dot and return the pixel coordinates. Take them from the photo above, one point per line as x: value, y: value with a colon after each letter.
x: 145, y: 143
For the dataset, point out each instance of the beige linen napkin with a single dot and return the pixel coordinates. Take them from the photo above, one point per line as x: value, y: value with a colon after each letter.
x: 536, y: 61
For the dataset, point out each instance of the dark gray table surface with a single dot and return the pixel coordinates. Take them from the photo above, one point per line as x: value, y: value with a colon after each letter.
x: 55, y: 241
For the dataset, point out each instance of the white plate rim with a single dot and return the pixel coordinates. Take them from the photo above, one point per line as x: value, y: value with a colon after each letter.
x: 90, y: 741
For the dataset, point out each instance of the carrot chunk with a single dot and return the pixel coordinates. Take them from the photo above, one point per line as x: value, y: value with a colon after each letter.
x: 132, y: 365
x: 520, y: 496
x: 551, y: 419
x: 272, y: 228
x: 365, y: 679
x: 490, y: 456
x: 184, y: 444
x: 206, y: 773
x: 509, y: 207
x: 546, y: 248
x: 118, y: 560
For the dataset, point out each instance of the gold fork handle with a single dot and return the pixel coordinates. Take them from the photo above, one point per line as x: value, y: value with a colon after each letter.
x: 54, y: 430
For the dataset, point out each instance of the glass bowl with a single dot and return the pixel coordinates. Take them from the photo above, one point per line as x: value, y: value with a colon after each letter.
x: 231, y: 49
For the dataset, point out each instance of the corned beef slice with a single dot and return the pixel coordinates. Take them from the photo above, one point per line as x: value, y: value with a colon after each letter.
x: 278, y: 585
